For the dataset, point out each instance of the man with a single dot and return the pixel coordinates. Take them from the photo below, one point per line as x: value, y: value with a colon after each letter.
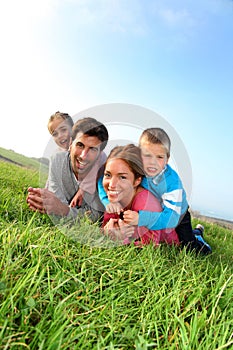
x: 68, y: 170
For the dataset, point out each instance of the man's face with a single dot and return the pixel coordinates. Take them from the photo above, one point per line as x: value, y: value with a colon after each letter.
x: 84, y: 151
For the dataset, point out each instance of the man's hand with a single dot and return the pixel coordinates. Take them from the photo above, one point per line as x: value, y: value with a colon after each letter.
x: 34, y: 200
x: 45, y: 201
x: 131, y: 217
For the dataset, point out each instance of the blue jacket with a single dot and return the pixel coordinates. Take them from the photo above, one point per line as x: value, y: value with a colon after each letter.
x: 167, y: 187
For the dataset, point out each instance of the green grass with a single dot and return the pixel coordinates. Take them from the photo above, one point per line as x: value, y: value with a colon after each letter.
x: 56, y: 293
x: 19, y: 158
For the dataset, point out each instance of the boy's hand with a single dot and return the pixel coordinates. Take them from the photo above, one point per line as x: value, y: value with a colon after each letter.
x: 131, y: 217
x: 114, y: 208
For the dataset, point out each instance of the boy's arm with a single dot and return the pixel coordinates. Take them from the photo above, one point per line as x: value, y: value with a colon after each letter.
x: 158, y: 221
x: 102, y: 194
x: 170, y: 215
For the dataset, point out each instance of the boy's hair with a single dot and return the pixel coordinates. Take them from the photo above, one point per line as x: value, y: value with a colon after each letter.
x: 62, y: 116
x: 91, y: 127
x: 130, y: 154
x: 156, y: 136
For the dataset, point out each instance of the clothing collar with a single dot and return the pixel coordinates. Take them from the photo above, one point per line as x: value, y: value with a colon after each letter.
x: 156, y: 179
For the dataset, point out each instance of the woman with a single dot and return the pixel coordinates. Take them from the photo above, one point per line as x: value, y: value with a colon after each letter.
x: 122, y: 178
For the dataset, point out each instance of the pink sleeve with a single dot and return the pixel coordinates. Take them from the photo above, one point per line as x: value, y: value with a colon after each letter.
x: 145, y: 200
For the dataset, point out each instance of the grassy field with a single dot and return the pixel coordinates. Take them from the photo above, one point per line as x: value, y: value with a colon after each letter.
x: 56, y: 293
x: 21, y: 159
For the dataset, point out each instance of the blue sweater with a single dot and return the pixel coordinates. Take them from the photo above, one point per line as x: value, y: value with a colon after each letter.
x: 167, y: 187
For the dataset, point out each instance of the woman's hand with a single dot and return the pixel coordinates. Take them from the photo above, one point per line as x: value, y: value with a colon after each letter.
x: 117, y: 229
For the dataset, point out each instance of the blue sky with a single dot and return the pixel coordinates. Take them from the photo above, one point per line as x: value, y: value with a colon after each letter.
x: 172, y: 57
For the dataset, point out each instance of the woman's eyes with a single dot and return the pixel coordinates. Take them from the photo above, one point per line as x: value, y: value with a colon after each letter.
x: 108, y: 176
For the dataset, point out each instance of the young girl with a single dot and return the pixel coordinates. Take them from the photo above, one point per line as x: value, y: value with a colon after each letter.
x: 60, y: 127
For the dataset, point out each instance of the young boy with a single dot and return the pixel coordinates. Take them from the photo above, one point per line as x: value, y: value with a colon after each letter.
x: 166, y: 185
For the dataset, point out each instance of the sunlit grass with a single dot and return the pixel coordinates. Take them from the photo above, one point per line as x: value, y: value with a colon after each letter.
x: 56, y: 293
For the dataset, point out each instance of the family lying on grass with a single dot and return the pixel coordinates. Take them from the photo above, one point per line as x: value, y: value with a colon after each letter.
x: 141, y: 196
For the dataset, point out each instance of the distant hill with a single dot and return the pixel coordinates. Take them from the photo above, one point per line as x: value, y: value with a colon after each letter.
x: 221, y: 222
x: 21, y: 160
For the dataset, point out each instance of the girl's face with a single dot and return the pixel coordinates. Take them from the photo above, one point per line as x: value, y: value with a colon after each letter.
x: 154, y: 157
x: 119, y: 182
x: 61, y: 132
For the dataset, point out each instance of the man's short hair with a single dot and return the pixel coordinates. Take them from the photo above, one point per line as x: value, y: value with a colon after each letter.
x: 91, y: 127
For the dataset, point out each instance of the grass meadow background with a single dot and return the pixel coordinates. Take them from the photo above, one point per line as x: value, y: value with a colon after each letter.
x: 56, y: 293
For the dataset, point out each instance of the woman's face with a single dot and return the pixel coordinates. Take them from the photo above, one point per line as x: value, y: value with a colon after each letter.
x: 119, y: 182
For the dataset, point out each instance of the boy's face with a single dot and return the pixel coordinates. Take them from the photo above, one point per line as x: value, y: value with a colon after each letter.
x: 61, y: 132
x: 154, y: 157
